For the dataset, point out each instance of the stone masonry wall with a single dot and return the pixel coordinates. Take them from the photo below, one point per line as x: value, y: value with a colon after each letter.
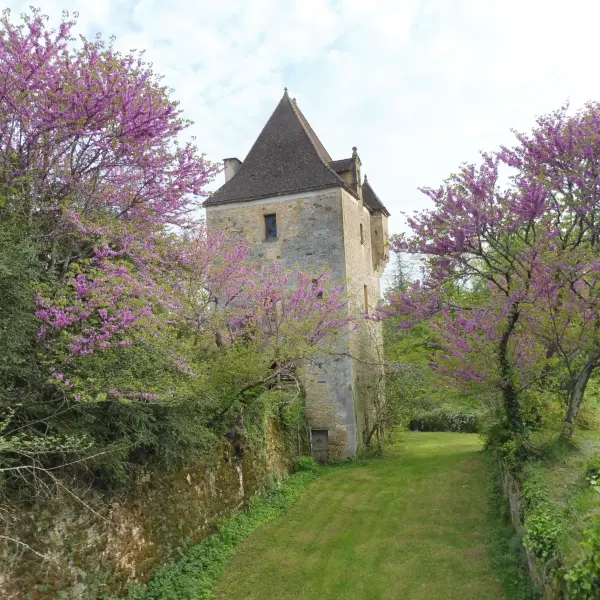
x: 358, y: 257
x: 310, y: 235
x: 366, y: 342
x: 309, y: 229
x: 125, y: 537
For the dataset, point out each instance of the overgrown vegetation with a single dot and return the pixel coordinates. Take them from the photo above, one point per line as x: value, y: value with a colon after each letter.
x: 582, y: 579
x: 506, y: 550
x: 562, y: 508
x: 543, y: 520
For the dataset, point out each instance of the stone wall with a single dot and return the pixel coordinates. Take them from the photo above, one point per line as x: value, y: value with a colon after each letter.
x: 366, y: 342
x: 358, y: 256
x: 379, y: 241
x: 101, y: 548
x: 309, y: 228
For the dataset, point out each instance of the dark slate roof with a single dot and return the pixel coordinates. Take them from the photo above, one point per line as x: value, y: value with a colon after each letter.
x: 371, y: 199
x: 340, y: 166
x: 311, y: 133
x: 287, y: 157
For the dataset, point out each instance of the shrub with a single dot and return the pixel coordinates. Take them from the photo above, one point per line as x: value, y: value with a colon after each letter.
x: 592, y: 467
x: 583, y: 580
x: 306, y: 463
x: 592, y: 472
x: 543, y: 523
x: 445, y: 419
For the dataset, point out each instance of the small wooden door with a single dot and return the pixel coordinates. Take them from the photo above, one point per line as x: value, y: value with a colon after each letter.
x: 320, y: 445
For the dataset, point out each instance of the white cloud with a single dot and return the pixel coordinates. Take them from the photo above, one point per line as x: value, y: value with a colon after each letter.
x: 418, y: 85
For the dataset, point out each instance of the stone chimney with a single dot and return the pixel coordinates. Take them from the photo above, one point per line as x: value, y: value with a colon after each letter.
x: 356, y: 178
x: 232, y: 166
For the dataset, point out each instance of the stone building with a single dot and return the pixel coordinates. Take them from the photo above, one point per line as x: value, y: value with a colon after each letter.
x: 301, y: 208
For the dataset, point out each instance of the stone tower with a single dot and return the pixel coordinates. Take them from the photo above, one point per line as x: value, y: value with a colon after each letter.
x: 301, y: 208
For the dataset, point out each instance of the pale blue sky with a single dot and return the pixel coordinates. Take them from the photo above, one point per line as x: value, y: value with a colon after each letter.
x: 417, y: 85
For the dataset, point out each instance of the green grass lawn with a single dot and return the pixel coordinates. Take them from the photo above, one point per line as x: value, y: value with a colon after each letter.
x: 410, y: 526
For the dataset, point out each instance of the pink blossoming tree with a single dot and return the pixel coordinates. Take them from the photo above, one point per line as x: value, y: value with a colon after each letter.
x: 89, y: 150
x: 131, y: 293
x: 128, y: 333
x: 531, y: 239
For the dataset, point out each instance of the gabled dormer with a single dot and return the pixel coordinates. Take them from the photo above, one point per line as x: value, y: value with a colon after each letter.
x: 349, y: 170
x: 379, y: 226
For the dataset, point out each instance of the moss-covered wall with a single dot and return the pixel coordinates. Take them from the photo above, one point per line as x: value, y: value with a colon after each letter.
x: 101, y: 548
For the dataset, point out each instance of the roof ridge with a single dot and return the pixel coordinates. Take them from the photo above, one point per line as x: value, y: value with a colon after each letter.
x: 314, y: 138
x: 306, y: 126
x: 285, y: 95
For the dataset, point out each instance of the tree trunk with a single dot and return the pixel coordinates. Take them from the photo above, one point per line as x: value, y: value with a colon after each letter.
x: 550, y: 352
x: 510, y: 395
x: 577, y: 392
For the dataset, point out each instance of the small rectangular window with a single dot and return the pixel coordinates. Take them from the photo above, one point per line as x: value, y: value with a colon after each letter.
x: 362, y: 235
x: 366, y: 290
x: 318, y: 290
x: 270, y: 227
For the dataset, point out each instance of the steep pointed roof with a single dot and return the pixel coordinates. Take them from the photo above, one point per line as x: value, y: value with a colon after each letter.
x: 311, y: 133
x: 371, y: 199
x: 286, y: 157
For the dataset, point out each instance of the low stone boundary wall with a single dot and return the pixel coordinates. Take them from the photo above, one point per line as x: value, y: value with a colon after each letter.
x: 103, y: 547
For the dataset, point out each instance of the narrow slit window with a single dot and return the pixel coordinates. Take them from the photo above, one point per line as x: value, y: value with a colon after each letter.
x: 271, y: 227
x: 362, y: 235
x: 366, y: 291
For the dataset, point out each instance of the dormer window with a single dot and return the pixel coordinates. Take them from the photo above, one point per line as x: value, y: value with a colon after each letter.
x: 270, y: 227
x: 362, y: 235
